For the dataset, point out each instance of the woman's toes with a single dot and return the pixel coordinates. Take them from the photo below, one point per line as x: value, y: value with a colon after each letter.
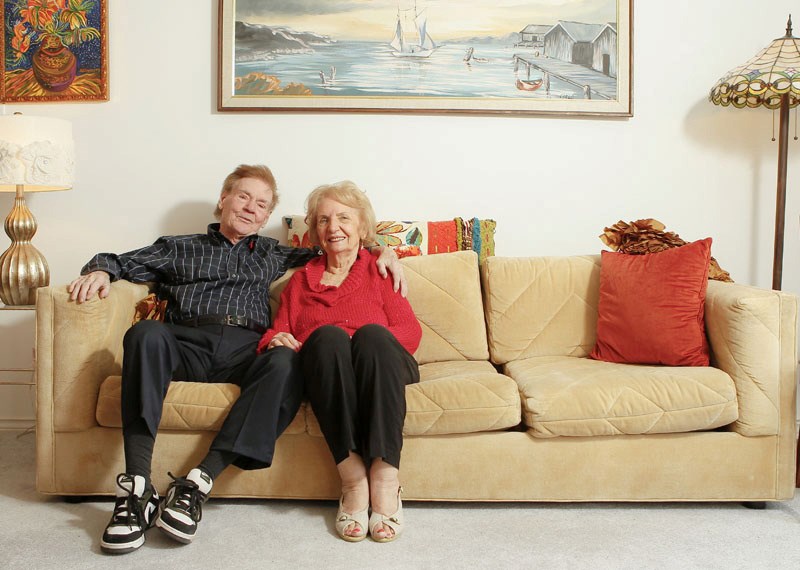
x: 385, y: 531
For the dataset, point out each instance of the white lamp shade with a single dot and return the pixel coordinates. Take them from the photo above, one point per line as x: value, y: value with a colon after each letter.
x: 36, y: 152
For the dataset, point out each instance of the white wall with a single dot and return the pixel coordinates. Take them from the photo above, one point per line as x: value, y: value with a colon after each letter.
x: 151, y: 160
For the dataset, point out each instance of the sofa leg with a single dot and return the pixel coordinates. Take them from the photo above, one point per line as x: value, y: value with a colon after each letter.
x: 756, y: 505
x: 797, y: 466
x: 73, y: 499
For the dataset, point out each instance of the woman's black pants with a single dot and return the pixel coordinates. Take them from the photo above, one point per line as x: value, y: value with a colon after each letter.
x: 356, y: 387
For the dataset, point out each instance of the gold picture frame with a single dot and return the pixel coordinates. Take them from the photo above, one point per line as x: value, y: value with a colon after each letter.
x: 54, y: 52
x: 388, y: 56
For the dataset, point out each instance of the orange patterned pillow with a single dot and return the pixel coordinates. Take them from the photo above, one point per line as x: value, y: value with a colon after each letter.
x: 416, y: 238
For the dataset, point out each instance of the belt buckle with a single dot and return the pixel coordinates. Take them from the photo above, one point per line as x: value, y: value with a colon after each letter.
x: 231, y: 320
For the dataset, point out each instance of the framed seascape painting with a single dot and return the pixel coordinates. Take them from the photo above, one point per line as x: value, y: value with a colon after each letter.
x: 54, y: 50
x: 567, y: 57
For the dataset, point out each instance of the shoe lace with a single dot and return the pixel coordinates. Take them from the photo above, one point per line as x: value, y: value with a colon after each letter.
x: 128, y: 509
x: 186, y: 497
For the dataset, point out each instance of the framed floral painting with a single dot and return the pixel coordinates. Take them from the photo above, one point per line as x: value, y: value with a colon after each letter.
x: 572, y: 57
x: 54, y: 50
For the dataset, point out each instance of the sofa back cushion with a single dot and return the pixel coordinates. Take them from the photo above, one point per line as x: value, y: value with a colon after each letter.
x: 445, y: 293
x: 540, y: 306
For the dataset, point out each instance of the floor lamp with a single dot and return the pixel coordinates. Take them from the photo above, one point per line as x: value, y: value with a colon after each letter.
x: 36, y: 155
x: 771, y: 79
x: 767, y: 80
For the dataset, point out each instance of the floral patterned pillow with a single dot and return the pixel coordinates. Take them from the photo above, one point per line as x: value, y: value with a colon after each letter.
x: 410, y: 238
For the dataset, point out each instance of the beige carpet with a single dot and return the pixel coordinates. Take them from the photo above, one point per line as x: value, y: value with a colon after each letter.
x: 46, y: 532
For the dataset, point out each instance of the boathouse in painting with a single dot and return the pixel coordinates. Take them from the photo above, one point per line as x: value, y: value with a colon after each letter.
x: 591, y: 45
x: 533, y: 35
x: 604, y: 51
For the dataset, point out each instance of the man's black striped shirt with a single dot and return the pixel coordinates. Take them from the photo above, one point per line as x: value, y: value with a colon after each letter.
x: 204, y: 274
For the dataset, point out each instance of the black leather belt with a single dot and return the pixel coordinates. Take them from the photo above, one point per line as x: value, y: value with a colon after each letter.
x: 228, y: 320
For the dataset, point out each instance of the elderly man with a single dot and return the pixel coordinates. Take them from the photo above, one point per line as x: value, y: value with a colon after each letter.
x: 216, y: 288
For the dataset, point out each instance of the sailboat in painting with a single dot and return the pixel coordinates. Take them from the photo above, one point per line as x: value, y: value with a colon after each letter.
x: 411, y: 37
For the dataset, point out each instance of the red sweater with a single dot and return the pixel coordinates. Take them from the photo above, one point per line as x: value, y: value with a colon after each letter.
x: 363, y: 298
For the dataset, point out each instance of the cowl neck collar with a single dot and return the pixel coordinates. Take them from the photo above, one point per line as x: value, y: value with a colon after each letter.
x: 315, y: 268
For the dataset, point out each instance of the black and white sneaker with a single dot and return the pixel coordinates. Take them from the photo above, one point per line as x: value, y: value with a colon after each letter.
x: 135, y: 511
x: 183, y: 505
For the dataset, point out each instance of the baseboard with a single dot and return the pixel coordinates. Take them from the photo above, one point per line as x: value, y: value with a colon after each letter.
x: 17, y: 425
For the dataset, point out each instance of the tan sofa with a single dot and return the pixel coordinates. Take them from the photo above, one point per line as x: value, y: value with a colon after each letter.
x: 509, y: 407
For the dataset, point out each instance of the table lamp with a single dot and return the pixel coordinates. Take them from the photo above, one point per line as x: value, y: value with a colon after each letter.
x: 36, y: 155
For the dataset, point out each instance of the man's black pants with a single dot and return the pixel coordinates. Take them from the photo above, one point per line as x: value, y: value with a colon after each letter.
x: 271, y: 387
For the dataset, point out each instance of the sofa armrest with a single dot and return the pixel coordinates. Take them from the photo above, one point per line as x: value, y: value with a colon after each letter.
x: 753, y: 337
x: 77, y: 347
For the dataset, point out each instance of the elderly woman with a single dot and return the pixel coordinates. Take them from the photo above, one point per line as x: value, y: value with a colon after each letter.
x: 355, y: 338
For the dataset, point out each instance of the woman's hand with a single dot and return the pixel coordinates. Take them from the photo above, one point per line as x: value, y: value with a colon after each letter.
x: 388, y: 261
x: 285, y: 339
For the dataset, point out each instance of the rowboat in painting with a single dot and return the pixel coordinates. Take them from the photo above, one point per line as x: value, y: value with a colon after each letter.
x: 411, y: 37
x: 528, y: 84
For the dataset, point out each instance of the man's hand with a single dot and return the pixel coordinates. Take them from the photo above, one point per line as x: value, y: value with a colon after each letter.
x: 84, y: 287
x: 388, y: 261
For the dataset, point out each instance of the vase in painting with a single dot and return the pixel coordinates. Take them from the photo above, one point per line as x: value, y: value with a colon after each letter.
x: 54, y: 65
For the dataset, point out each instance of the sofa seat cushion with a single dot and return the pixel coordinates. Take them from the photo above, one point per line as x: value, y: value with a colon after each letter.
x: 456, y: 397
x: 569, y: 396
x: 188, y: 406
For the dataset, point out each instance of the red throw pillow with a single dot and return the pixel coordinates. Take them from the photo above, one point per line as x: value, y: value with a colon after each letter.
x: 651, y: 307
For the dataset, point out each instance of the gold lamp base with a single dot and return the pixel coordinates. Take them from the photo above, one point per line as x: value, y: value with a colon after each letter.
x: 22, y: 268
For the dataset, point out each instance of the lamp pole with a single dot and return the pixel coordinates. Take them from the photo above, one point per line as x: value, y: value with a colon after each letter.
x: 780, y: 202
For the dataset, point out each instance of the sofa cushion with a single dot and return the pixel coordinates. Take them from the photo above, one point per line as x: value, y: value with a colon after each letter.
x: 540, y: 306
x: 445, y: 293
x: 455, y: 397
x: 451, y: 397
x: 651, y: 306
x: 567, y: 396
x: 461, y: 397
x: 188, y: 406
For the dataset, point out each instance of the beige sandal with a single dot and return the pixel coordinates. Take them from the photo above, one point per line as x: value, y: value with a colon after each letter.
x: 394, y: 521
x: 343, y: 520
